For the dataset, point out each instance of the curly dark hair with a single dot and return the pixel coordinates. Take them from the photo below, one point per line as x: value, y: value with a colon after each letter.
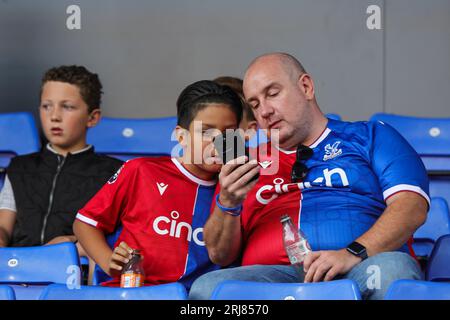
x: 87, y: 82
x: 198, y: 95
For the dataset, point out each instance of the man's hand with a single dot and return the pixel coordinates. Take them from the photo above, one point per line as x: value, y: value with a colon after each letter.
x: 325, y: 265
x: 234, y: 179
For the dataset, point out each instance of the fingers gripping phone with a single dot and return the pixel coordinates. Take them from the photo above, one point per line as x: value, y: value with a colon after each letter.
x: 231, y: 145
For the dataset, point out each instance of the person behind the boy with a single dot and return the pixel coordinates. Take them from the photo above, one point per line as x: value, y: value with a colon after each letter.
x: 248, y: 121
x: 162, y: 203
x: 43, y: 191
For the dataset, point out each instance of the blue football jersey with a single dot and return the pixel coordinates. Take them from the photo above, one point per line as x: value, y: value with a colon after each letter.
x: 355, y: 168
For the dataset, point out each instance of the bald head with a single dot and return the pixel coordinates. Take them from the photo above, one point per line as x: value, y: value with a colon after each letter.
x: 284, y: 61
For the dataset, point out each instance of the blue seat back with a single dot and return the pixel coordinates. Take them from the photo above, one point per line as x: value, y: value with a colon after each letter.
x: 418, y: 290
x: 7, y: 293
x: 99, y: 275
x: 246, y: 290
x: 438, y: 268
x: 28, y: 291
x: 436, y: 225
x: 40, y: 265
x: 19, y: 135
x: 430, y: 137
x: 258, y: 138
x: 172, y: 291
x: 131, y: 138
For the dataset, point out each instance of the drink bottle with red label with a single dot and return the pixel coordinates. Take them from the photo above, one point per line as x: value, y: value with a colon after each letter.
x: 133, y: 275
x: 295, y: 243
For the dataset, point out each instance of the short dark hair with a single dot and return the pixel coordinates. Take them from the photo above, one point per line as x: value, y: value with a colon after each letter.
x: 198, y: 95
x: 87, y: 82
x: 236, y: 84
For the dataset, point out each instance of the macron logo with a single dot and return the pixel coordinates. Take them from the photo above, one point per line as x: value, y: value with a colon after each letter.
x: 265, y: 164
x: 162, y: 187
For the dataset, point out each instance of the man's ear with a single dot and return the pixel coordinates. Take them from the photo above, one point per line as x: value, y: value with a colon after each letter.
x: 94, y: 118
x: 182, y: 136
x: 306, y: 85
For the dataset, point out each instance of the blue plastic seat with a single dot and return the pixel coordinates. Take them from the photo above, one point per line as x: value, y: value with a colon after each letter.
x: 131, y: 138
x: 258, y: 138
x: 437, y: 225
x: 99, y: 275
x: 438, y: 268
x: 430, y: 137
x: 7, y: 293
x: 418, y: 290
x: 246, y: 290
x: 19, y: 135
x: 29, y: 270
x: 171, y: 291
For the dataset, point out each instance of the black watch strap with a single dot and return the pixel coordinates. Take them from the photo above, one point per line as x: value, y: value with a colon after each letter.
x: 358, y: 250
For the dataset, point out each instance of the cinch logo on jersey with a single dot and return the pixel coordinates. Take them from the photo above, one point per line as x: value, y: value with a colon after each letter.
x: 268, y: 193
x: 165, y: 226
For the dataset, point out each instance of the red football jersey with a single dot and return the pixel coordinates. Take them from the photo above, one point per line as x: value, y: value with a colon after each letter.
x: 273, y: 196
x: 162, y: 209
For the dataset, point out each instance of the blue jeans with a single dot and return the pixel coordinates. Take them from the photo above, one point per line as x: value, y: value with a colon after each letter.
x: 373, y: 275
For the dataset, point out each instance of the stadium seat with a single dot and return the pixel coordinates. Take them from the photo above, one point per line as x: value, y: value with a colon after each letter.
x: 259, y: 138
x: 99, y: 275
x: 437, y: 225
x: 246, y: 290
x: 430, y: 137
x: 29, y: 270
x: 7, y: 293
x: 130, y: 138
x: 172, y: 291
x: 333, y: 116
x: 438, y: 268
x: 418, y: 290
x: 19, y: 136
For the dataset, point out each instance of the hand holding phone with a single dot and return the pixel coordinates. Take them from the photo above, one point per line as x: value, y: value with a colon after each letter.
x: 231, y: 146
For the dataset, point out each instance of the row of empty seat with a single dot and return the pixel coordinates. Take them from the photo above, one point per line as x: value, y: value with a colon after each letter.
x: 242, y: 290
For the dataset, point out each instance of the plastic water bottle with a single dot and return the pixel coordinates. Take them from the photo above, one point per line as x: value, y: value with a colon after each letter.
x: 133, y: 275
x: 295, y: 243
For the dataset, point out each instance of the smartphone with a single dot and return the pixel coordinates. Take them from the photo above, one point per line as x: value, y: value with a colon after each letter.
x: 231, y: 145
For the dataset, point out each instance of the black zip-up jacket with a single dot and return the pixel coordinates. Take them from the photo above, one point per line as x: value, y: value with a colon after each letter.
x: 49, y: 189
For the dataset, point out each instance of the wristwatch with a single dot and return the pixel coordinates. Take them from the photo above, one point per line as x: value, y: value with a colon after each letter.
x: 357, y: 249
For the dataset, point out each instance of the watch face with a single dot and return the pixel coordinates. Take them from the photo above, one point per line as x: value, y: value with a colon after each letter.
x: 356, y: 248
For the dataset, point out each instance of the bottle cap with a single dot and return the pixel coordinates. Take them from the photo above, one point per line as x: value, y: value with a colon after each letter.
x: 136, y: 252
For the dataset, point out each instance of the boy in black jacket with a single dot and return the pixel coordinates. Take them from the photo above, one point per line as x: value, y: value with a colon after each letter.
x: 43, y: 191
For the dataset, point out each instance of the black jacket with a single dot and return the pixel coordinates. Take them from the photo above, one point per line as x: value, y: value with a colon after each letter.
x: 49, y: 189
